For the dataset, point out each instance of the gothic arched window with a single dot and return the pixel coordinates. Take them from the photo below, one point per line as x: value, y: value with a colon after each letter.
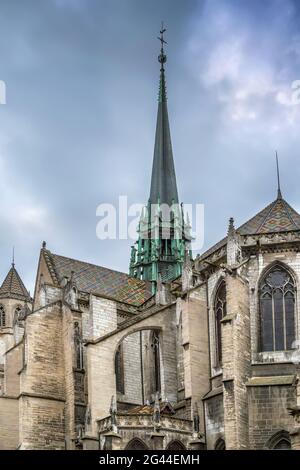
x: 283, y: 444
x: 119, y: 370
x: 277, y: 310
x: 136, y: 444
x: 2, y: 316
x: 155, y: 361
x: 175, y: 445
x: 220, y: 313
x: 78, y: 347
x: 279, y: 441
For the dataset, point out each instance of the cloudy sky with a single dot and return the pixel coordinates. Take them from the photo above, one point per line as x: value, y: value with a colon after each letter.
x: 78, y: 126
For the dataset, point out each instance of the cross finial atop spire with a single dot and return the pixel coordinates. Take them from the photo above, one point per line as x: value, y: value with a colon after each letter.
x: 162, y: 58
x: 13, y: 257
x: 279, y: 195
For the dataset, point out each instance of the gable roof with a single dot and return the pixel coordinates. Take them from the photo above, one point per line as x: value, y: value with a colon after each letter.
x: 13, y: 287
x: 99, y: 280
x: 277, y: 217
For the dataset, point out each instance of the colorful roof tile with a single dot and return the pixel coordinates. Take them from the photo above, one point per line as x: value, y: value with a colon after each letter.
x: 278, y: 216
x: 13, y: 287
x: 99, y: 280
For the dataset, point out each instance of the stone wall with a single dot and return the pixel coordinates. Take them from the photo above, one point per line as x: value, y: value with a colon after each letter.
x: 196, y: 348
x: 132, y: 369
x: 13, y: 366
x: 102, y: 316
x: 214, y: 420
x: 9, y: 423
x: 41, y: 423
x: 236, y: 360
x: 268, y: 412
x: 42, y: 387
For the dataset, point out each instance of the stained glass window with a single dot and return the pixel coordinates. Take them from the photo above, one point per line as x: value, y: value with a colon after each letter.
x: 277, y: 310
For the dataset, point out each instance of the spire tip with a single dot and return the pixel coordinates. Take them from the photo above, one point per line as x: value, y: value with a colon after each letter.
x: 279, y: 195
x: 162, y: 58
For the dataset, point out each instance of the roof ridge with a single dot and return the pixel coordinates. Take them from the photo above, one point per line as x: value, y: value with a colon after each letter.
x: 287, y: 205
x: 19, y: 279
x: 51, y: 265
x: 11, y: 271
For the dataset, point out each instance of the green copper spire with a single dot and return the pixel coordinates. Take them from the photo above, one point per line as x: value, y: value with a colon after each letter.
x: 162, y: 94
x: 163, y: 181
x: 163, y: 239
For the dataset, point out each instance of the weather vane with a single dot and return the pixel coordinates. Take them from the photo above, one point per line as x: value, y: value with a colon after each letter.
x: 162, y: 58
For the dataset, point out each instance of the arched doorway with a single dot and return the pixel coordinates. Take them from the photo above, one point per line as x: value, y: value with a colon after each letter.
x: 176, y: 445
x: 136, y: 444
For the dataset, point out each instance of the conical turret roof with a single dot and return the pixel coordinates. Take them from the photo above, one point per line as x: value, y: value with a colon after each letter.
x: 13, y: 286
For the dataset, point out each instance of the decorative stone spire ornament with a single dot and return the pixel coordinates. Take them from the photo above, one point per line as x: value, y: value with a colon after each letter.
x: 187, y: 272
x: 196, y: 421
x: 231, y: 228
x: 87, y: 418
x: 24, y: 312
x: 70, y: 292
x: 113, y: 414
x: 163, y: 295
x: 233, y: 246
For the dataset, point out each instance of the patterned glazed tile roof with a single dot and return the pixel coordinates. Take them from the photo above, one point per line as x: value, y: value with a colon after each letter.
x: 102, y: 281
x: 13, y: 286
x: 278, y: 216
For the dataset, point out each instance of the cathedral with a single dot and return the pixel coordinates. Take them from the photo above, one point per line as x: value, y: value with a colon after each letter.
x: 182, y: 353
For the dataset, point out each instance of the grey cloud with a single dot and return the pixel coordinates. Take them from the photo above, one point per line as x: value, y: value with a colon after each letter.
x: 78, y: 127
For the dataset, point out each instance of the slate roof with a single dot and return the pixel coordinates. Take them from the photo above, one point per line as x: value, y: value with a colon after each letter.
x: 13, y: 286
x: 278, y: 216
x: 100, y: 280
